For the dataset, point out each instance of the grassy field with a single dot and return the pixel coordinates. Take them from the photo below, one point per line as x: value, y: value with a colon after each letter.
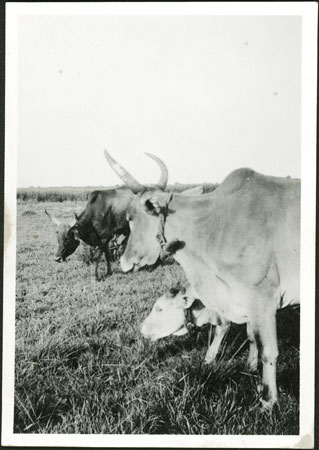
x: 82, y: 365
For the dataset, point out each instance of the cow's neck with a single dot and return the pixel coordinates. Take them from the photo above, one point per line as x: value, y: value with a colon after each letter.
x: 196, y: 221
x: 188, y: 220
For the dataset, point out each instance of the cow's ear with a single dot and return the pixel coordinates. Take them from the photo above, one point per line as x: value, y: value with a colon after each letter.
x: 151, y: 207
x: 76, y: 234
x: 73, y: 222
x: 53, y: 219
x: 173, y: 246
x: 155, y: 202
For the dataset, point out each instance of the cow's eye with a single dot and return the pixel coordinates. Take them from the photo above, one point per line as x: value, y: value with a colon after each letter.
x: 159, y: 309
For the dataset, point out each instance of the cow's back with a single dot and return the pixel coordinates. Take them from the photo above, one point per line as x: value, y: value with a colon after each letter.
x: 106, y: 211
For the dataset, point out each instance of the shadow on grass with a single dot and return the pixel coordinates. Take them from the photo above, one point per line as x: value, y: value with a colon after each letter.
x: 232, y: 358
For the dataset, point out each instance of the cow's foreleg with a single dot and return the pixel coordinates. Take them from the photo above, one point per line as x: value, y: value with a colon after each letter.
x: 107, y: 259
x: 97, y: 259
x: 220, y: 331
x: 253, y: 349
x: 269, y: 354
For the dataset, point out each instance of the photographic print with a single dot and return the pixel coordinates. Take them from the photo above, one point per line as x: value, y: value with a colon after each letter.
x: 160, y: 224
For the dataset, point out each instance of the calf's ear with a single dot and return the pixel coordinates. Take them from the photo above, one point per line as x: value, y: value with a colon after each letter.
x: 186, y: 301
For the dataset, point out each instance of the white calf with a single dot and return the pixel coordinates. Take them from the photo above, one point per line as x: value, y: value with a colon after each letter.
x: 178, y: 310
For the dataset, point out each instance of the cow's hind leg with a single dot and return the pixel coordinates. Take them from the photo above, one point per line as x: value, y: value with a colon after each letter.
x: 220, y: 331
x: 253, y: 349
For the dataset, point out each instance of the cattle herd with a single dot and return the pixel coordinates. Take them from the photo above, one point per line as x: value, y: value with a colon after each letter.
x: 238, y: 245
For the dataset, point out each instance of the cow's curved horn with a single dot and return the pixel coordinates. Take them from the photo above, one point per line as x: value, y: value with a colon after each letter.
x: 53, y: 219
x: 164, y: 172
x: 125, y: 176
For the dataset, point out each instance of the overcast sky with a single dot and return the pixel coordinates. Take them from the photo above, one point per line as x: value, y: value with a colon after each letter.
x: 207, y: 94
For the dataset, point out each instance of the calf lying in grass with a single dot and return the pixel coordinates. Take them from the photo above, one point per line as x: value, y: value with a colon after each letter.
x: 177, y: 311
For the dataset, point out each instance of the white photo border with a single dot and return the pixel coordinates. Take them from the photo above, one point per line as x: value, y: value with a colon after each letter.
x: 309, y: 12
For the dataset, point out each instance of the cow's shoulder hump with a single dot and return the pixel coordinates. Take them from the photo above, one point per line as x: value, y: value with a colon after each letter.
x: 236, y: 180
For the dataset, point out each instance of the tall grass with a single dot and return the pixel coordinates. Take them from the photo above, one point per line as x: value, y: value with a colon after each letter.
x: 61, y: 194
x: 52, y: 194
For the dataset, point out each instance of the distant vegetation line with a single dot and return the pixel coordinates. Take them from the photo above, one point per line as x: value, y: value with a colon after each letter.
x: 61, y: 194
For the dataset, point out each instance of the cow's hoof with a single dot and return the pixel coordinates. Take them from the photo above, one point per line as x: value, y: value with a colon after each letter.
x: 267, y: 405
x: 252, y: 366
x: 209, y: 360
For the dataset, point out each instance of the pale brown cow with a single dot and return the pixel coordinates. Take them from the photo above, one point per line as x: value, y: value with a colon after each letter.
x: 239, y: 247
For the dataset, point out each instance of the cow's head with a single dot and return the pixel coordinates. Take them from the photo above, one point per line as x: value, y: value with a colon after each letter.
x: 168, y: 314
x: 145, y: 217
x: 143, y: 247
x: 67, y: 241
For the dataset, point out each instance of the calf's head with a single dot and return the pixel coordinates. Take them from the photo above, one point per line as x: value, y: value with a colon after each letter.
x: 168, y: 314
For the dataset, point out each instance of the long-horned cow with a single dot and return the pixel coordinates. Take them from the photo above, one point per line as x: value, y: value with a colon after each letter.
x: 239, y: 247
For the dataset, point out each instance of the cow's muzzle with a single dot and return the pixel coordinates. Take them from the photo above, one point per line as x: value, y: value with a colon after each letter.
x: 59, y: 259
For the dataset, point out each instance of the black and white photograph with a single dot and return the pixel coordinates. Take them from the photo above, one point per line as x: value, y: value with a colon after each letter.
x: 159, y: 251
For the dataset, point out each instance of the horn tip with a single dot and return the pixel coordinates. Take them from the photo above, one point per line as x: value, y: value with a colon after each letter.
x: 108, y: 157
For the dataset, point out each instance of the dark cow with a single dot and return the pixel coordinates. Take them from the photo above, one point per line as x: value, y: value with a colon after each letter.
x: 239, y: 247
x: 103, y: 217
